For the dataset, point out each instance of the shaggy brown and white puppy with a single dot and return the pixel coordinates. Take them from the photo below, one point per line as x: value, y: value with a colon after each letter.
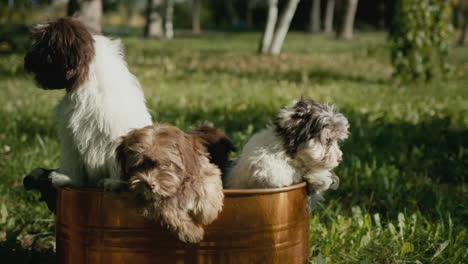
x: 103, y: 101
x: 301, y: 145
x: 173, y: 179
x: 217, y: 143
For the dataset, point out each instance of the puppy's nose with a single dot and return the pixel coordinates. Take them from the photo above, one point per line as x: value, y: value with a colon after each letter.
x: 152, y: 185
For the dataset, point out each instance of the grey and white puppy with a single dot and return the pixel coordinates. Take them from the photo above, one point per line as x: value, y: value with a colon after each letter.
x: 301, y: 145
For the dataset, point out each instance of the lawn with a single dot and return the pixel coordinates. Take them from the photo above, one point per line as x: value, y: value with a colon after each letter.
x: 403, y: 196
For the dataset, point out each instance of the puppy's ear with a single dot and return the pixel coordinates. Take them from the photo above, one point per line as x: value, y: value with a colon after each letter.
x: 190, y: 150
x: 297, y: 124
x: 121, y: 154
x: 60, y: 54
x: 228, y: 145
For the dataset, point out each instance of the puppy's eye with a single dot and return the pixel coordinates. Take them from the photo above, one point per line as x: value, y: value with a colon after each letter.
x: 148, y: 163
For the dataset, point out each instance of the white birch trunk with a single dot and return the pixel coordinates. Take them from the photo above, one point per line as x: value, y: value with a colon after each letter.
x: 283, y: 27
x: 346, y: 32
x: 154, y: 21
x: 169, y: 26
x: 314, y: 20
x: 196, y: 6
x: 270, y: 26
x: 329, y: 12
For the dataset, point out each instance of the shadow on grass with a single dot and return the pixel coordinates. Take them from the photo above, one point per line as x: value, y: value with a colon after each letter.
x: 13, y: 254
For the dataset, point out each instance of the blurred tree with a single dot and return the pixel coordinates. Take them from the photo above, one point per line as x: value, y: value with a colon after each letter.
x: 196, y: 7
x: 270, y: 27
x: 462, y: 7
x: 348, y: 14
x: 251, y: 5
x: 11, y: 8
x: 272, y: 43
x: 168, y: 24
x: 154, y: 20
x: 464, y: 34
x: 89, y: 12
x: 315, y: 17
x: 329, y: 12
x: 129, y: 7
x: 420, y: 38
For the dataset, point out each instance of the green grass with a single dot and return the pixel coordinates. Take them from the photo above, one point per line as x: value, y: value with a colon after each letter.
x: 403, y: 195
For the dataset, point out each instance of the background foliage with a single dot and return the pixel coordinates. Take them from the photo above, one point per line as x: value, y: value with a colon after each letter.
x: 421, y: 37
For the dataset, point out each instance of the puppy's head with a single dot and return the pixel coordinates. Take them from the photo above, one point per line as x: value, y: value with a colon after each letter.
x: 217, y: 144
x: 157, y: 159
x: 60, y: 54
x: 311, y: 131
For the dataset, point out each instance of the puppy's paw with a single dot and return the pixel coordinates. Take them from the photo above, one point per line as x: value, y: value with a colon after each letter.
x: 322, y: 183
x: 59, y: 179
x: 336, y: 181
x: 192, y: 234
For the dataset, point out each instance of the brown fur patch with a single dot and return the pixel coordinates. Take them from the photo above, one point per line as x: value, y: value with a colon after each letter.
x: 60, y: 54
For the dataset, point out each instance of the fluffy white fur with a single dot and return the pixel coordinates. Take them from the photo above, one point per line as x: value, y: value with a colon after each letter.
x: 266, y: 163
x: 263, y: 163
x: 92, y: 118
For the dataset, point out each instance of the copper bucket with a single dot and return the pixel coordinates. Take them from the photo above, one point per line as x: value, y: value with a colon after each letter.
x: 255, y: 226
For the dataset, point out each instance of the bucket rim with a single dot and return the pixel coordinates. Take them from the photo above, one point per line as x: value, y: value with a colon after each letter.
x: 227, y: 192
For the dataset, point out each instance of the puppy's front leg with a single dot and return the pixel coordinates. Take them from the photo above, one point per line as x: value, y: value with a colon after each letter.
x: 182, y: 224
x: 319, y: 181
x: 71, y: 172
x: 208, y: 206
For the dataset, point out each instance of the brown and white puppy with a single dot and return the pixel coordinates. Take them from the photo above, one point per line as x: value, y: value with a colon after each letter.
x: 217, y: 143
x: 169, y: 172
x: 103, y: 101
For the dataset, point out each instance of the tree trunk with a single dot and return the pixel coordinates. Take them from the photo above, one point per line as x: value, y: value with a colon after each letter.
x: 464, y: 33
x: 129, y: 12
x: 270, y: 26
x: 11, y: 9
x: 169, y: 33
x: 330, y: 10
x: 249, y: 14
x: 88, y: 12
x: 196, y: 6
x: 283, y: 26
x: 154, y: 21
x: 315, y: 18
x: 347, y: 27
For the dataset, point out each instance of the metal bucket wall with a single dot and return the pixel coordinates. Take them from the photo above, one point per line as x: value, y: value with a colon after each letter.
x: 255, y: 226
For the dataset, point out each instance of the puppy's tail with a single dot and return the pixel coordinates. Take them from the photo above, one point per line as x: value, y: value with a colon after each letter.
x: 60, y: 54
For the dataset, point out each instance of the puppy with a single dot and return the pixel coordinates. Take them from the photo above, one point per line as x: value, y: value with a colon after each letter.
x: 218, y: 145
x: 103, y: 101
x: 302, y: 145
x: 175, y: 183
